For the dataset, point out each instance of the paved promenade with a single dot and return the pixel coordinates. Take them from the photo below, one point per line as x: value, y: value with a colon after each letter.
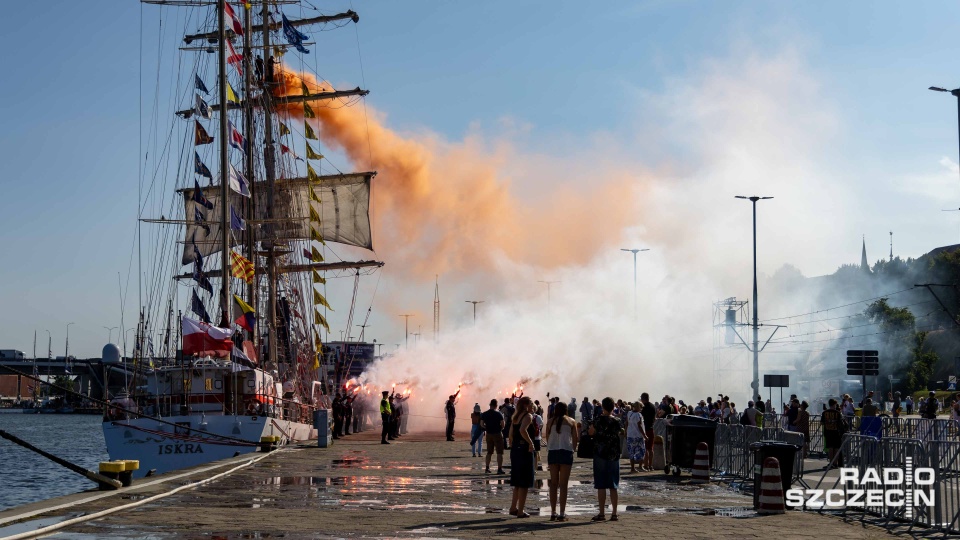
x: 424, y: 487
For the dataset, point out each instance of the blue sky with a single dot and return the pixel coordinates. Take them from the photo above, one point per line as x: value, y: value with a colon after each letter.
x: 570, y: 73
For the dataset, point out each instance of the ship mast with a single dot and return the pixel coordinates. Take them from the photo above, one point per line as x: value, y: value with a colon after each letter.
x: 268, y: 162
x: 224, y: 178
x: 251, y: 239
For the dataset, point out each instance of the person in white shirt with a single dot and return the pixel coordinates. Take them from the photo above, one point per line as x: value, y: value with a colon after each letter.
x: 848, y: 409
x: 562, y: 439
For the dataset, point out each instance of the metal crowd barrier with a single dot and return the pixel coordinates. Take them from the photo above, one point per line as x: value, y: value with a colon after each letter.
x: 933, y: 443
x: 879, y: 455
x: 732, y: 458
x: 944, y: 457
x: 660, y: 428
x: 816, y: 446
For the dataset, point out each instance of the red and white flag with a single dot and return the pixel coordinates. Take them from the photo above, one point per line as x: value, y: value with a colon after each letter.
x: 202, y: 339
x: 284, y: 149
x: 234, y: 59
x: 232, y: 19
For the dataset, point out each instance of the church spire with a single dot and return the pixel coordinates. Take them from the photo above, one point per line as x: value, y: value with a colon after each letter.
x: 864, y: 265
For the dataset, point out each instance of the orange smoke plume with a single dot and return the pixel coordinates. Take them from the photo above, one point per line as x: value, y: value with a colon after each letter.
x: 441, y: 206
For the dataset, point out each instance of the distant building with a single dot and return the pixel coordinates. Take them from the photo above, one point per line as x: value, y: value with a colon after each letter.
x: 864, y: 264
x: 348, y: 359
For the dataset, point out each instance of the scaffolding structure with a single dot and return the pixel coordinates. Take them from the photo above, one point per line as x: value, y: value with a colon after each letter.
x: 731, y: 360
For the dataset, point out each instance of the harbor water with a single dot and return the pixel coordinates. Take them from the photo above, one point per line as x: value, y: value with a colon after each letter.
x: 29, y: 477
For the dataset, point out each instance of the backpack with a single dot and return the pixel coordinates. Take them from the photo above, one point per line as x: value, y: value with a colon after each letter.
x: 744, y: 419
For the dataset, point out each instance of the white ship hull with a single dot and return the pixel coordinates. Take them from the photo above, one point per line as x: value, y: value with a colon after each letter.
x: 163, y: 448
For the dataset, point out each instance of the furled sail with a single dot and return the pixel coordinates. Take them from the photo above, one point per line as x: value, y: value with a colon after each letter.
x: 340, y: 201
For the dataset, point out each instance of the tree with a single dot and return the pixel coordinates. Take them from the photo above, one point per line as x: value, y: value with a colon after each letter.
x: 63, y: 381
x: 920, y: 369
x: 897, y: 328
x: 894, y: 320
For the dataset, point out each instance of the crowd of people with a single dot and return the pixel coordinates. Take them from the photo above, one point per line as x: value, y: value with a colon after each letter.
x: 521, y: 427
x: 605, y: 432
x: 353, y: 413
x: 609, y: 430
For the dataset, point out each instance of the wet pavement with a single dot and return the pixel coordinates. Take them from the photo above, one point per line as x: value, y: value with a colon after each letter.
x: 424, y: 487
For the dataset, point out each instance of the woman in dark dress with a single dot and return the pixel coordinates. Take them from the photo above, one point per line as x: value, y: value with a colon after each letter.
x: 522, y: 468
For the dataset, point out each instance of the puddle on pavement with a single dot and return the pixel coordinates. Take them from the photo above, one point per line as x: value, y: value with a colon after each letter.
x: 591, y: 509
x: 34, y: 524
x: 358, y: 485
x: 374, y: 493
x: 350, y: 462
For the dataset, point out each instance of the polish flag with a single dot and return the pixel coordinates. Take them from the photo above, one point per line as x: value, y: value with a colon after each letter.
x: 202, y: 339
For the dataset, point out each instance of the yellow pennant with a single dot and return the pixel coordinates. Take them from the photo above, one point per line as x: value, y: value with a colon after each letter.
x: 284, y: 130
x: 303, y: 87
x: 319, y: 320
x: 307, y: 111
x: 316, y: 361
x: 319, y: 300
x: 316, y: 237
x: 315, y: 255
x: 312, y: 174
x: 314, y: 196
x: 317, y: 280
x: 311, y: 154
x: 314, y: 216
x: 308, y: 131
x: 231, y: 95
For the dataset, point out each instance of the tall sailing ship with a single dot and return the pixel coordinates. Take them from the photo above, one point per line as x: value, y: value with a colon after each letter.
x: 258, y: 229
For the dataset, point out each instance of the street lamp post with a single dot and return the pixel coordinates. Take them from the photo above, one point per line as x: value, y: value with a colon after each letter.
x: 406, y: 330
x: 474, y: 302
x: 548, y: 284
x: 66, y: 350
x: 634, y: 251
x: 955, y: 93
x: 756, y: 320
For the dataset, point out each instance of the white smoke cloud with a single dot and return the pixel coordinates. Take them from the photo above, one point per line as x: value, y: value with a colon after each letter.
x: 752, y: 124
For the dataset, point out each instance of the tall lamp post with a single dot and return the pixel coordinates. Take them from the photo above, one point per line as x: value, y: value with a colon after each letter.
x: 66, y: 350
x: 474, y: 302
x: 406, y: 329
x: 756, y: 319
x: 955, y: 93
x: 634, y: 251
x: 548, y: 284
